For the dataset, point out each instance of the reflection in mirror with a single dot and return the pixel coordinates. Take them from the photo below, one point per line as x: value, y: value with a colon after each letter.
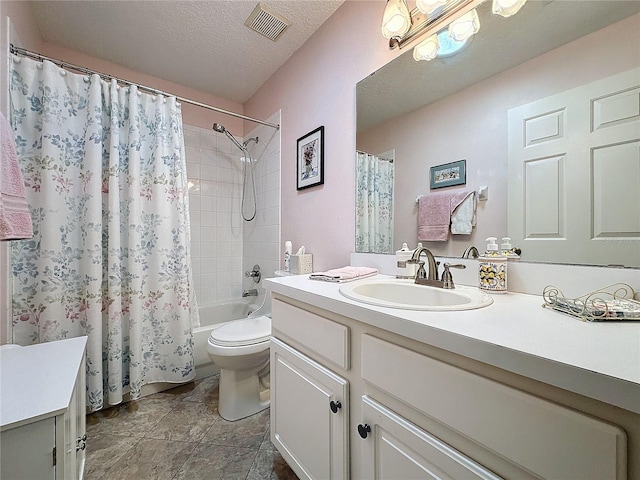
x: 374, y: 202
x: 457, y: 108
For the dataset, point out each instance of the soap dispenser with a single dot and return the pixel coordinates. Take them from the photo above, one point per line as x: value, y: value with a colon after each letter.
x: 404, y: 269
x: 492, y: 268
x: 508, y: 250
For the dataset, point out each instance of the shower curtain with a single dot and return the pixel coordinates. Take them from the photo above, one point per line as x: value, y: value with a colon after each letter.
x: 374, y: 204
x: 105, y: 172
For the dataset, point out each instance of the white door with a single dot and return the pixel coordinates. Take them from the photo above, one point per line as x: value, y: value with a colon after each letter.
x: 395, y: 449
x: 309, y: 414
x: 574, y: 174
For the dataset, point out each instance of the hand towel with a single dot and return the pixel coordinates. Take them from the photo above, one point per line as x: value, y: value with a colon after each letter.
x: 463, y: 217
x: 15, y: 220
x: 434, y: 216
x: 344, y: 274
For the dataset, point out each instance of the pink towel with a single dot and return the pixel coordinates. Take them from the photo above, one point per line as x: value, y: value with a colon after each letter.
x: 434, y: 214
x: 344, y: 274
x: 15, y: 221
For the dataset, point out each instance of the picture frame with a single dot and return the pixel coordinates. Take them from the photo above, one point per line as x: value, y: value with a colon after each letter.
x: 448, y: 174
x: 310, y: 170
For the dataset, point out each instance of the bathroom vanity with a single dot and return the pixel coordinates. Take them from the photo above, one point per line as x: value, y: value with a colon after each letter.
x: 512, y: 390
x: 42, y: 411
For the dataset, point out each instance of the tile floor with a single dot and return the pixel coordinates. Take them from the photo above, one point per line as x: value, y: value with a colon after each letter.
x: 178, y: 434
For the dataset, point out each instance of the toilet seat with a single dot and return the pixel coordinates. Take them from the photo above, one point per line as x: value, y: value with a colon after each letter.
x: 237, y: 333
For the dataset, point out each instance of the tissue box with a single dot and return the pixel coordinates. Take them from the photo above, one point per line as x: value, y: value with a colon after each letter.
x: 302, y: 263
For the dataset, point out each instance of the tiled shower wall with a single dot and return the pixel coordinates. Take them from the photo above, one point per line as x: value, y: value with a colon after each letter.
x: 262, y: 234
x: 219, y: 237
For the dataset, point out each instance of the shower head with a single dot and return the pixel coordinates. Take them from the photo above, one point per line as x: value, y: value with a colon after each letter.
x: 221, y: 129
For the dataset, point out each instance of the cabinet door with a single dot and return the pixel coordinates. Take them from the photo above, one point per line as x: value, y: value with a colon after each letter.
x: 309, y: 414
x: 27, y: 452
x: 395, y: 449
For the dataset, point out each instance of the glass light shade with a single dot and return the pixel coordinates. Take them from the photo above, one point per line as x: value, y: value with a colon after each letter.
x: 506, y: 8
x: 450, y: 47
x: 428, y: 6
x: 465, y: 26
x: 396, y: 19
x: 427, y: 49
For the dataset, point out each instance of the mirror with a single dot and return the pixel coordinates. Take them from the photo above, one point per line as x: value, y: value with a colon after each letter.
x: 451, y: 109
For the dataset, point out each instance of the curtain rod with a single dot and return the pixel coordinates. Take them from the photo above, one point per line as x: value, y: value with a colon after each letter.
x: 390, y: 160
x: 36, y: 56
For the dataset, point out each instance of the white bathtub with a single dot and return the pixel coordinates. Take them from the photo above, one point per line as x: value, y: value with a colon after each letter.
x: 209, y: 316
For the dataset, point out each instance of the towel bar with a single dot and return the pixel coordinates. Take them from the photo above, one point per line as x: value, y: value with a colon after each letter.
x: 481, y: 192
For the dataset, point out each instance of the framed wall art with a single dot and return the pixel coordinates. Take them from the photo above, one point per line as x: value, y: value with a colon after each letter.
x: 454, y: 173
x: 311, y: 159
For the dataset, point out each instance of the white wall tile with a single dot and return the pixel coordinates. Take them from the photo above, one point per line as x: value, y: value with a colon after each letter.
x: 191, y: 137
x: 218, y: 234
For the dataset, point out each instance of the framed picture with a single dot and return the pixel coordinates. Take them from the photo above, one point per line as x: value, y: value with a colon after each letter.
x: 311, y: 159
x: 454, y: 173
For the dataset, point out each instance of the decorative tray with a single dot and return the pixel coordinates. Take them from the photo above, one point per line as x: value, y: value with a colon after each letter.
x: 612, y: 303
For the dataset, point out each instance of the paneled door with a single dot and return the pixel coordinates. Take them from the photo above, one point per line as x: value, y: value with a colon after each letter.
x: 574, y: 174
x: 309, y: 415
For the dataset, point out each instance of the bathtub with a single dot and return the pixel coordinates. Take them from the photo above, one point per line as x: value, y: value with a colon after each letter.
x: 209, y: 316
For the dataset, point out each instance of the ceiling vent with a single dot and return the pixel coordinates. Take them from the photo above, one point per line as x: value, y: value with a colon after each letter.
x: 267, y: 23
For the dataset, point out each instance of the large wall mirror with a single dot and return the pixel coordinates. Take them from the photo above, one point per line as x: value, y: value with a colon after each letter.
x: 424, y: 114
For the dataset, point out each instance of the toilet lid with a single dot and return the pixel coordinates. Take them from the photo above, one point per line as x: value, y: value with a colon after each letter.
x: 242, y: 332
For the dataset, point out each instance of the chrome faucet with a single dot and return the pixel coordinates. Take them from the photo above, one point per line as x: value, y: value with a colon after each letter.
x: 250, y: 293
x: 447, y: 278
x: 433, y: 266
x: 470, y: 250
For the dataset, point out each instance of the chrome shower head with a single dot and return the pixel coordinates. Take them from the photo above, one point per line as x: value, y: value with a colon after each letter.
x: 221, y: 129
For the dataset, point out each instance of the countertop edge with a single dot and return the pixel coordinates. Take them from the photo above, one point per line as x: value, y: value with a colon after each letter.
x: 609, y: 389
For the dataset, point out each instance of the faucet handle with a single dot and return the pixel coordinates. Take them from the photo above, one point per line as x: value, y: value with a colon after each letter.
x: 447, y: 278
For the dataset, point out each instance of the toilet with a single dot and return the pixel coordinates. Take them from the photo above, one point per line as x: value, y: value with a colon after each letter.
x: 241, y: 349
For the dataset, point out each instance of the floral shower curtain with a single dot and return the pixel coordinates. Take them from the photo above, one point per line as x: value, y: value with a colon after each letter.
x: 105, y: 172
x: 374, y: 204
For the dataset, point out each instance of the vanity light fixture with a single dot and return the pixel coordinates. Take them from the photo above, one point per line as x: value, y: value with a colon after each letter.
x: 507, y: 8
x: 396, y: 20
x: 431, y: 18
x: 427, y: 49
x: 465, y: 26
x: 429, y: 6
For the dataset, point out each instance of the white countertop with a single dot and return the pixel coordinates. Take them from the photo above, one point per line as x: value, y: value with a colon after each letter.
x: 600, y: 360
x: 37, y: 381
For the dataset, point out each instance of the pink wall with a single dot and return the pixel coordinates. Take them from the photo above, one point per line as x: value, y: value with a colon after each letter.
x: 191, y: 115
x: 472, y: 124
x: 317, y: 87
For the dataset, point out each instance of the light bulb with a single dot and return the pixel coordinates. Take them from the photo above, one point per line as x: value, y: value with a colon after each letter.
x: 396, y: 20
x: 506, y: 8
x: 428, y: 6
x: 465, y: 26
x: 427, y: 49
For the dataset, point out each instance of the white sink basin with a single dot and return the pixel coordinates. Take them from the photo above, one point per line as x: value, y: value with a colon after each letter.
x: 407, y: 295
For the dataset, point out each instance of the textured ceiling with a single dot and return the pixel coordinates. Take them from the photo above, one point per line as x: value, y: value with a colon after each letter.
x: 200, y: 44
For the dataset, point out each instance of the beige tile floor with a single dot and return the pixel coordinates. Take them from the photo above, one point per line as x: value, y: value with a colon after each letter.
x: 178, y: 434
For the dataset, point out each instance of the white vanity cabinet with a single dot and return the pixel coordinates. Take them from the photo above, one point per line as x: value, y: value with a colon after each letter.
x: 42, y: 411
x: 413, y: 411
x: 309, y: 402
x: 397, y: 449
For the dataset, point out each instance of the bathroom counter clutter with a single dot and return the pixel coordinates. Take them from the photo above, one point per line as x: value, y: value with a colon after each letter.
x: 37, y: 381
x: 597, y: 360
